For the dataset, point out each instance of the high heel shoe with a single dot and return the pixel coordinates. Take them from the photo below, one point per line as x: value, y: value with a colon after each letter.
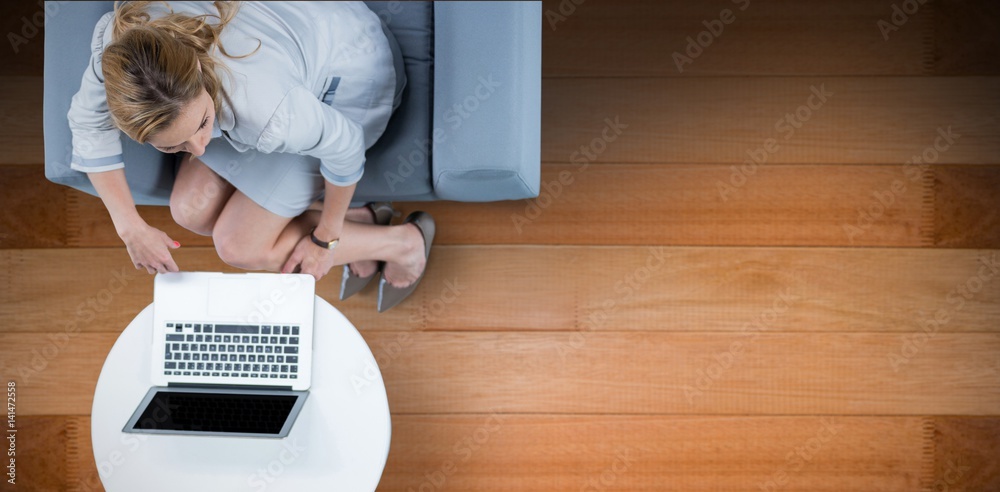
x: 350, y: 283
x: 389, y: 296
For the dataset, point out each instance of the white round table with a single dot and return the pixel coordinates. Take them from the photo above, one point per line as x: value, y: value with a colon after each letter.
x: 340, y: 440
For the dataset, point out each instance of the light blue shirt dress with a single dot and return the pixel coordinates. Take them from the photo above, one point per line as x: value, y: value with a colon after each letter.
x: 304, y: 107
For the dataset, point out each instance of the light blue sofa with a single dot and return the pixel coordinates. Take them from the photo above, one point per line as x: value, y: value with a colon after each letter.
x: 468, y: 127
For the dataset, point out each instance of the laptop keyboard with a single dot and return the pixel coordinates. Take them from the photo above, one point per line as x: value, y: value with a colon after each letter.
x: 228, y: 350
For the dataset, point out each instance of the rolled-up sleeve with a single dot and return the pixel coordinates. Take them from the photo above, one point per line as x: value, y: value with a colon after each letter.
x: 96, y: 142
x: 302, y: 124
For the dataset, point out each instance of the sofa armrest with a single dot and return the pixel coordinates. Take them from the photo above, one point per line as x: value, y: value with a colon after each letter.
x: 487, y: 100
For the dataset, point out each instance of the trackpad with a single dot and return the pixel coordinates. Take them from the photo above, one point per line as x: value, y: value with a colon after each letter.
x: 232, y: 297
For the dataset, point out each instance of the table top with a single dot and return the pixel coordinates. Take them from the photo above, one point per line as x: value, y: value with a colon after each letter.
x: 340, y: 440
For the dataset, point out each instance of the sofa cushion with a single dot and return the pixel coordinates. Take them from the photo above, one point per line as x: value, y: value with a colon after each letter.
x: 398, y: 166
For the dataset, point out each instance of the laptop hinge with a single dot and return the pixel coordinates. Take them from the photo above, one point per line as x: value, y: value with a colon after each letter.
x: 229, y: 386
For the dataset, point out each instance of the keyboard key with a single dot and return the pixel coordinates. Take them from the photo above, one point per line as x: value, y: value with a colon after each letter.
x: 284, y: 368
x: 270, y: 358
x: 215, y: 357
x: 237, y: 367
x: 187, y: 325
x: 291, y: 350
x: 175, y: 338
x: 187, y: 355
x: 199, y: 338
x: 292, y: 359
x: 167, y: 356
x: 187, y: 373
x: 294, y: 376
x: 170, y: 325
x: 203, y: 347
x: 215, y: 374
x: 284, y: 330
x: 185, y: 347
x: 293, y: 340
x: 201, y: 365
x: 227, y: 339
x: 227, y: 367
x: 268, y: 349
x: 246, y: 339
x: 274, y: 340
x: 218, y: 339
x: 259, y: 349
x: 295, y: 330
x: 176, y: 347
x: 178, y: 329
x: 266, y: 367
x: 295, y: 369
x: 254, y: 339
x: 197, y: 328
x: 196, y: 356
x: 265, y: 330
x: 283, y: 341
x: 196, y: 373
x: 208, y: 328
x: 232, y: 348
x: 211, y: 348
x: 239, y: 349
x: 170, y: 365
x: 243, y: 358
x: 245, y: 375
x: 253, y: 374
x: 274, y: 376
x: 284, y: 376
x: 241, y: 329
x: 256, y: 368
x: 281, y: 358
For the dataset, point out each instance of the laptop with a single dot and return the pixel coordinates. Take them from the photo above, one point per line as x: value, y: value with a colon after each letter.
x: 231, y: 354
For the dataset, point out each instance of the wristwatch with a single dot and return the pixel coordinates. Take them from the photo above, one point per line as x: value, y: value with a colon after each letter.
x: 323, y: 244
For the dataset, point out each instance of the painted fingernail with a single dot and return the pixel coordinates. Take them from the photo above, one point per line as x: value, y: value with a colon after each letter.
x: 177, y: 244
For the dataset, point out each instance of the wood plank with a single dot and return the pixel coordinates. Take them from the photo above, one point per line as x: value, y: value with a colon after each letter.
x: 662, y: 452
x: 685, y: 373
x: 656, y: 453
x: 632, y: 204
x: 784, y: 37
x: 867, y: 120
x: 966, y: 206
x: 42, y: 459
x: 963, y: 41
x: 621, y: 372
x: 24, y: 26
x: 569, y: 289
x: 21, y: 117
x: 33, y: 211
x: 965, y: 454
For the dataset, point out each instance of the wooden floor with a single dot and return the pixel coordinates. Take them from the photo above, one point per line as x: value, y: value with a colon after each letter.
x: 667, y: 314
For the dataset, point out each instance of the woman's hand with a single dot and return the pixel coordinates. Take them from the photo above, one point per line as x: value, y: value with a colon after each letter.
x: 150, y: 248
x: 309, y: 258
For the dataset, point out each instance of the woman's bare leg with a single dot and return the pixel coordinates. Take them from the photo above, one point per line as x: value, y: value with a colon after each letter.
x: 363, y: 215
x: 250, y: 237
x: 198, y: 196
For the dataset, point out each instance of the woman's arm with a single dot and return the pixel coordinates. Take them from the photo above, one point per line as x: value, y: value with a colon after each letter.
x: 148, y: 247
x: 311, y: 258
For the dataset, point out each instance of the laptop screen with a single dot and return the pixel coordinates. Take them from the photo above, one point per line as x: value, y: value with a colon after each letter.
x: 177, y: 411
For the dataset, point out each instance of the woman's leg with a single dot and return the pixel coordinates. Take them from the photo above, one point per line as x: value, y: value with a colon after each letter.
x: 198, y: 196
x: 248, y: 236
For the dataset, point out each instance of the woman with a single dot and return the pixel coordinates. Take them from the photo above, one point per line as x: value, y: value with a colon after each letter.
x: 271, y: 108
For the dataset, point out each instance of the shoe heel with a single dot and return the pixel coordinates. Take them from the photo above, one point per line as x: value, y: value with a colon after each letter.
x: 389, y: 296
x: 351, y: 284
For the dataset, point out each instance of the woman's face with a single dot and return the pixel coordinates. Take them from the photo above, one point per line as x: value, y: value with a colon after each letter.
x: 191, y: 131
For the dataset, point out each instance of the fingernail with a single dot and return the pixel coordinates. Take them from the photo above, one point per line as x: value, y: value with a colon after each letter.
x: 177, y: 244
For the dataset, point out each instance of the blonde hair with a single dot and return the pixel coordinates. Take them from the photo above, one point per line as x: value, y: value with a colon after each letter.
x: 151, y: 66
